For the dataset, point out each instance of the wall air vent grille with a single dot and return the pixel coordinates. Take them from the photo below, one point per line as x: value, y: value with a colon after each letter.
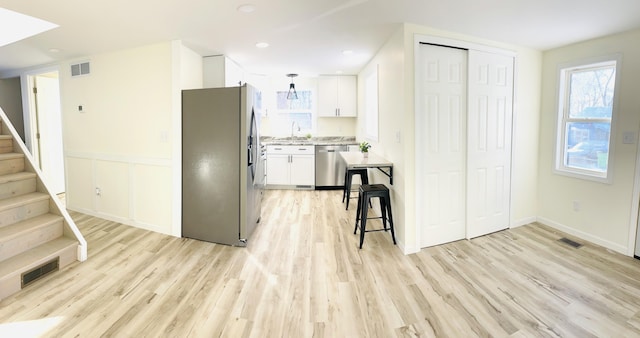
x: 40, y: 271
x: 80, y: 69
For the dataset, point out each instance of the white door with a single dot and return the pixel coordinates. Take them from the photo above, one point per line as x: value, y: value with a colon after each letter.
x: 440, y: 143
x: 48, y: 149
x: 489, y: 142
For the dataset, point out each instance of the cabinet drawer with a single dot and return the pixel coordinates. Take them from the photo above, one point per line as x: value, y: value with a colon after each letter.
x: 291, y: 150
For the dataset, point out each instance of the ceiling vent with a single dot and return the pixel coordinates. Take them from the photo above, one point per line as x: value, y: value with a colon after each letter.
x: 80, y: 69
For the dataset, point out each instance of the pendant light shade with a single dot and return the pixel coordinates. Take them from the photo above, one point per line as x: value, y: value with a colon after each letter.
x: 292, y: 94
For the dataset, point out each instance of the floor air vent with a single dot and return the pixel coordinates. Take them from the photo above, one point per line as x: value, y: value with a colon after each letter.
x: 40, y: 271
x: 570, y: 242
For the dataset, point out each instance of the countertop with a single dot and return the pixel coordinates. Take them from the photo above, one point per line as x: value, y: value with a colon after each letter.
x: 322, y: 140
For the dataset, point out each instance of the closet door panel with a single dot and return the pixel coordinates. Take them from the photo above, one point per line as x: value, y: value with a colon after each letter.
x: 489, y: 142
x: 440, y: 144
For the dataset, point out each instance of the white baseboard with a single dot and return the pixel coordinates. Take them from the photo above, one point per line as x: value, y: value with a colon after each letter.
x: 586, y: 236
x: 407, y: 250
x: 523, y: 221
x: 125, y: 221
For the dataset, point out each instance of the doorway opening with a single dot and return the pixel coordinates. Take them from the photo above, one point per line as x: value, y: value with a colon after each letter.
x: 44, y: 122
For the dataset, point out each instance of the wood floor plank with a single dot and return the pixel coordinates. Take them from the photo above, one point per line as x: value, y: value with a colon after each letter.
x: 302, y: 275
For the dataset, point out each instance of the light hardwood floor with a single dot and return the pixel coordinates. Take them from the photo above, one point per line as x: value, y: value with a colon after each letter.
x: 302, y: 275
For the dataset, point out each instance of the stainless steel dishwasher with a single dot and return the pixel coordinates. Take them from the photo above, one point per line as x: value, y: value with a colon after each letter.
x: 329, y: 166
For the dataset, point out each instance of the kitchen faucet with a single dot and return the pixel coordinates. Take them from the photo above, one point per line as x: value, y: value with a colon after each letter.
x: 292, y: 125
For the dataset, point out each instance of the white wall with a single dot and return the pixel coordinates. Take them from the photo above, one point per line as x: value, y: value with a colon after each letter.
x: 125, y: 142
x: 396, y: 118
x: 606, y: 215
x: 392, y: 118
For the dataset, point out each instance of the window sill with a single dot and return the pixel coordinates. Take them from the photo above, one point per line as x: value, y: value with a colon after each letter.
x: 584, y: 175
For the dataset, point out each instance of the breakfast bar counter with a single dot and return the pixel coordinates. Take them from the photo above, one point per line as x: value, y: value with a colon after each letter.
x: 357, y: 160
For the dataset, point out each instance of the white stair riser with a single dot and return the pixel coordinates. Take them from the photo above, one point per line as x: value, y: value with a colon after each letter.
x: 31, y: 239
x: 17, y: 188
x: 11, y: 166
x: 11, y: 283
x: 23, y: 212
x: 6, y: 146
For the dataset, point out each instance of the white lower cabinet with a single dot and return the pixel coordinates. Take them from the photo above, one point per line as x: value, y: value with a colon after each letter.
x: 291, y: 165
x: 278, y: 168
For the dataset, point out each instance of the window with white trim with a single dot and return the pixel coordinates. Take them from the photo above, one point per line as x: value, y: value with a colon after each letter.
x: 585, y: 115
x: 298, y: 113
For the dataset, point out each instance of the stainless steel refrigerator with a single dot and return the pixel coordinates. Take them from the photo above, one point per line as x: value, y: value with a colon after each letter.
x: 221, y: 192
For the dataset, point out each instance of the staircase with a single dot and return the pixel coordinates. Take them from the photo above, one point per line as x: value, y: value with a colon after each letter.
x: 37, y: 236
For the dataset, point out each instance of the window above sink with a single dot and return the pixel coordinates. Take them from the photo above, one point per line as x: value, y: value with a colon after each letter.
x: 297, y: 113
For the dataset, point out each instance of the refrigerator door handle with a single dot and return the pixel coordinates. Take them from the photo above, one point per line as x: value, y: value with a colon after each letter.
x: 250, y: 151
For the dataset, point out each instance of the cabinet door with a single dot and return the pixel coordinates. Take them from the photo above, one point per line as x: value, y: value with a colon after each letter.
x: 337, y: 96
x: 347, y: 96
x: 278, y: 169
x: 327, y: 96
x: 303, y: 170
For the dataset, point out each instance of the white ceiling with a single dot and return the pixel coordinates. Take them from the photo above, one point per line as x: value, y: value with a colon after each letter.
x: 305, y: 36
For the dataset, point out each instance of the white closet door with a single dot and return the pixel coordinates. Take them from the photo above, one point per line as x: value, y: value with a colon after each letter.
x: 489, y: 142
x: 440, y: 144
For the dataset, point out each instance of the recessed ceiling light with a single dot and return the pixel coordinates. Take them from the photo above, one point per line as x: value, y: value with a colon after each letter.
x: 347, y: 52
x: 15, y: 26
x: 262, y: 45
x: 54, y: 50
x: 246, y: 8
x: 338, y: 72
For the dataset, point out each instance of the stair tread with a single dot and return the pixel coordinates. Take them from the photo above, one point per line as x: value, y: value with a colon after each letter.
x: 16, y: 229
x: 32, y: 258
x: 17, y: 201
x: 6, y: 137
x: 17, y: 177
x: 8, y: 156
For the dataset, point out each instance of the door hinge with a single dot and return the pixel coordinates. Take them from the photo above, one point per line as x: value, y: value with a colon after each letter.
x: 35, y: 90
x: 38, y: 135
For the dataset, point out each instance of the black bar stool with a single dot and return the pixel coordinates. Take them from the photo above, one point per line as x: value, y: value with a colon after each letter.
x: 366, y: 192
x: 348, y: 175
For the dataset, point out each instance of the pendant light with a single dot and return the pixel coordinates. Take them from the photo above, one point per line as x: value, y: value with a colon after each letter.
x: 292, y: 95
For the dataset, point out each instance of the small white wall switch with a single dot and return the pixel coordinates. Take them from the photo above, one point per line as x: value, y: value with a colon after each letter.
x: 629, y: 137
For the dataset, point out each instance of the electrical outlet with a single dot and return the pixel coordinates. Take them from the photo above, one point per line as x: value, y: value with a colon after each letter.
x: 98, y: 191
x: 576, y: 205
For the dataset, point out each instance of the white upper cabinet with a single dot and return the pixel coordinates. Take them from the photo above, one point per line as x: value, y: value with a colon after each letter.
x: 337, y: 96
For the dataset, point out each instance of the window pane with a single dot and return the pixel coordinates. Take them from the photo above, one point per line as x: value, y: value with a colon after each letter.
x: 303, y: 120
x: 303, y: 102
x: 295, y: 116
x: 587, y: 145
x: 591, y: 92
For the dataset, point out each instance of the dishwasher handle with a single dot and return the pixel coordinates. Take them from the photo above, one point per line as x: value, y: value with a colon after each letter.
x: 331, y: 149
